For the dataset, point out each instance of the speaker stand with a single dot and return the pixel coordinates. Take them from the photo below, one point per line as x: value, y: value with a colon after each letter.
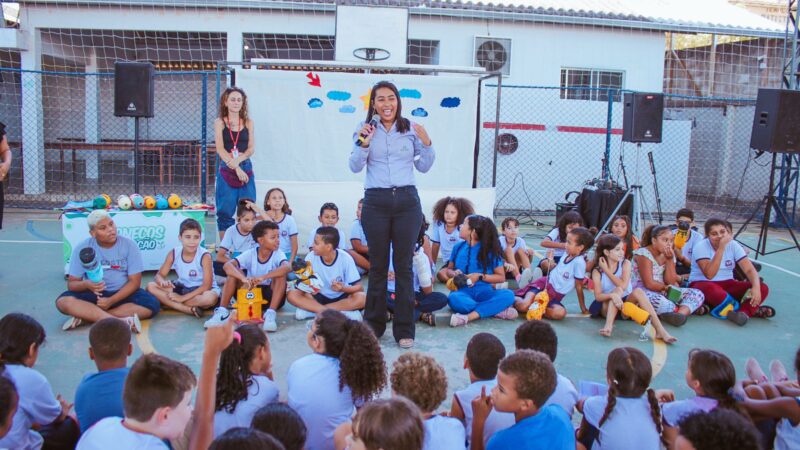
x: 769, y: 202
x: 639, y: 206
x: 136, y: 155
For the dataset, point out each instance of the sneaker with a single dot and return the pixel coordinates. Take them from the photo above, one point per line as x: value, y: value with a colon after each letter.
x: 526, y: 277
x: 353, y: 315
x: 738, y: 317
x: 135, y: 324
x: 72, y: 323
x: 270, y: 321
x: 458, y: 320
x: 503, y: 285
x: 220, y: 317
x: 508, y: 314
x: 673, y: 318
x: 302, y: 314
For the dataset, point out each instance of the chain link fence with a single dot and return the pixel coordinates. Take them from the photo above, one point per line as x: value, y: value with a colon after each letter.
x: 75, y: 148
x: 553, y: 141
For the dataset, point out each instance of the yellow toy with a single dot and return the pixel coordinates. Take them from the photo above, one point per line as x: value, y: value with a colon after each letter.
x: 636, y: 313
x: 248, y: 304
x: 539, y: 305
x: 107, y: 198
x: 174, y: 201
x: 683, y: 234
x: 457, y: 282
x: 305, y: 280
x: 149, y: 202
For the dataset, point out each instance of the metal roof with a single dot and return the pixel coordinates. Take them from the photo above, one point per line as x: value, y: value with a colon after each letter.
x: 704, y: 16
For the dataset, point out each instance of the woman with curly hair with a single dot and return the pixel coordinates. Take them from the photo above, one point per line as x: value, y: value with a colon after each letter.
x: 422, y: 380
x: 479, y: 259
x: 244, y: 379
x: 345, y: 369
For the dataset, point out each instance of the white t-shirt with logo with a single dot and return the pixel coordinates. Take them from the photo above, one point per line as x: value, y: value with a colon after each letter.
x: 703, y: 250
x: 287, y: 228
x: 519, y: 243
x: 445, y: 240
x: 260, y: 393
x: 553, y: 235
x: 256, y: 267
x: 342, y: 269
x: 235, y: 242
x: 567, y: 271
x: 190, y: 273
x: 111, y: 433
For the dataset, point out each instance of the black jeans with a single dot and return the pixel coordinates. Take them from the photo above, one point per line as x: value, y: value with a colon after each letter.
x: 391, y: 215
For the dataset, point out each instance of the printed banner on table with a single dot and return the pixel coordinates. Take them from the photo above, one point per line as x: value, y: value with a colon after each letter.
x: 155, y: 232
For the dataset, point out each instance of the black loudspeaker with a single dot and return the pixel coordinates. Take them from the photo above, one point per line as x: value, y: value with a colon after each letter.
x: 776, y: 122
x: 133, y: 89
x: 642, y: 116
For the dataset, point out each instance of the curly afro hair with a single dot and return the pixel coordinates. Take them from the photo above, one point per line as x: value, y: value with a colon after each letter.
x: 421, y: 379
x: 721, y: 428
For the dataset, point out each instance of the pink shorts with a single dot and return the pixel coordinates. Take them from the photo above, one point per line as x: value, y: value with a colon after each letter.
x: 538, y: 286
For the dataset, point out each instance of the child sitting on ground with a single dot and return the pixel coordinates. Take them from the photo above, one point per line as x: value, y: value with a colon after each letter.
x: 266, y: 268
x: 564, y: 276
x: 611, y: 278
x: 240, y: 438
x: 196, y: 288
x: 478, y: 258
x: 237, y: 238
x: 608, y: 421
x: 483, y: 355
x: 385, y: 424
x: 556, y: 239
x: 283, y: 423
x: 276, y: 209
x: 244, y: 382
x: 345, y: 369
x: 621, y: 228
x: 99, y: 395
x: 525, y: 380
x: 422, y: 380
x: 341, y: 282
x: 358, y: 242
x: 328, y: 217
x: 9, y: 401
x: 40, y: 417
x: 683, y: 255
x: 716, y: 430
x: 448, y: 215
x: 540, y: 336
x: 516, y: 253
x: 157, y: 400
x: 711, y: 376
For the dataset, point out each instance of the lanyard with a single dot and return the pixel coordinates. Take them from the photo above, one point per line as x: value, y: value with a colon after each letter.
x: 235, y: 149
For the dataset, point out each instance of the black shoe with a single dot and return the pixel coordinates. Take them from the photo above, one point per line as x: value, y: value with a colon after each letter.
x: 389, y: 316
x: 738, y: 317
x: 673, y: 318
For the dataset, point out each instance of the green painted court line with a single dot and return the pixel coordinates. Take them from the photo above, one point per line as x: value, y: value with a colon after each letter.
x: 29, y: 242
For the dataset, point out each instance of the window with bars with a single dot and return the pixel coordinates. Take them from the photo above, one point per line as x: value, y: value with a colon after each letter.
x: 590, y: 84
x: 422, y: 51
x: 289, y: 46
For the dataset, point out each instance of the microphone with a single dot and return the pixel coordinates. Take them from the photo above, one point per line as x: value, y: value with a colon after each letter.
x: 362, y: 137
x: 90, y: 263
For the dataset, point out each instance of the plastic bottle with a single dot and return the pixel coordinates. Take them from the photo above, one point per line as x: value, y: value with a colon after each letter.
x: 92, y: 266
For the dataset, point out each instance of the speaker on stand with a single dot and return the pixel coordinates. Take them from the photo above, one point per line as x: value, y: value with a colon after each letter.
x: 775, y: 130
x: 134, y: 96
x: 642, y: 119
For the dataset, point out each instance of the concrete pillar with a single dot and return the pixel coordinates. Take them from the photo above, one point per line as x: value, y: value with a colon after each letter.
x: 235, y: 50
x: 32, y: 119
x: 92, y: 117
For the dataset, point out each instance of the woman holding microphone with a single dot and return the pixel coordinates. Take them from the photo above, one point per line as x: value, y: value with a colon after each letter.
x: 391, y: 147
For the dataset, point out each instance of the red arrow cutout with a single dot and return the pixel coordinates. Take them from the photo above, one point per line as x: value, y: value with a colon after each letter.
x: 314, y: 79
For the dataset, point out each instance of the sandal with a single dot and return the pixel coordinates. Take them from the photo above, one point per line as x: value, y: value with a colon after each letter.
x: 702, y: 310
x: 197, y: 312
x: 764, y: 312
x: 428, y: 318
x: 406, y: 343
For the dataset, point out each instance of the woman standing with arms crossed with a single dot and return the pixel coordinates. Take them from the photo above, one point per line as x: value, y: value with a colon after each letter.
x: 390, y: 146
x: 235, y: 144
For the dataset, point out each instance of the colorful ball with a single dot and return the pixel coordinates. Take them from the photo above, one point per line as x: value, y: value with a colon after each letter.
x: 149, y: 202
x: 174, y: 201
x: 137, y: 201
x: 99, y: 202
x: 107, y: 197
x: 124, y: 202
x: 161, y: 202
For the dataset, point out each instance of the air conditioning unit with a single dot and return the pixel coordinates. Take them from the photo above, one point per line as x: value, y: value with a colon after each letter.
x: 493, y: 54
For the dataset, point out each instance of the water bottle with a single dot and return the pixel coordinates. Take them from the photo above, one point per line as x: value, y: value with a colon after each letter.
x: 92, y: 266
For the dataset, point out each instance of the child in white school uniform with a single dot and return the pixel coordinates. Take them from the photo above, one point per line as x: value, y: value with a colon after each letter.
x: 483, y: 355
x: 341, y: 282
x: 358, y: 242
x: 516, y: 253
x: 422, y: 380
x: 328, y: 217
x: 276, y: 209
x: 448, y: 215
x: 195, y: 289
x: 345, y: 370
x: 244, y: 382
x: 556, y: 239
x: 237, y: 238
x: 265, y: 266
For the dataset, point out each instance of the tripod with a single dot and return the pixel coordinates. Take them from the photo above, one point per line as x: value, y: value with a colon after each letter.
x: 768, y: 203
x: 639, y: 206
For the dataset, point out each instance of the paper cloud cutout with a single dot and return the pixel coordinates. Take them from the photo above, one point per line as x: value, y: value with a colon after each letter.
x: 450, y: 102
x: 409, y: 93
x: 315, y: 103
x: 419, y: 112
x: 340, y: 96
x: 347, y: 109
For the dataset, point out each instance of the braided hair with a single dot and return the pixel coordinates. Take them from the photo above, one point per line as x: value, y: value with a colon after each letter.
x: 490, y: 250
x: 361, y: 363
x: 234, y: 377
x: 629, y: 373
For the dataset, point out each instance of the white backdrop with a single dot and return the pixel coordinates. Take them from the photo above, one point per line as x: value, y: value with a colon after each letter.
x: 304, y: 132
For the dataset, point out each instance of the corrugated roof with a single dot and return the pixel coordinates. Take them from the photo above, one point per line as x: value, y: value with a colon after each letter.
x: 683, y: 15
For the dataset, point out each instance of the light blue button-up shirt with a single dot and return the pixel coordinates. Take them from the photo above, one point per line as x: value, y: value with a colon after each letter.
x: 391, y: 157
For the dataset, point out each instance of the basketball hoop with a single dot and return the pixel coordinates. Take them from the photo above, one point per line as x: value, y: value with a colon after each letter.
x: 371, y: 54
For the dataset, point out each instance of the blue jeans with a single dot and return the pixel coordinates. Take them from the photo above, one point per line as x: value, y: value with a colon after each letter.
x: 481, y: 298
x: 425, y: 302
x: 227, y: 198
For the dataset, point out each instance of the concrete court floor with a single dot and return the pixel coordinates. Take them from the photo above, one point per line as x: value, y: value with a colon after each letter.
x: 31, y: 278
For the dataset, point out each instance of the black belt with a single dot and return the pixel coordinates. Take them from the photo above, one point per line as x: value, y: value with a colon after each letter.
x: 393, y: 189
